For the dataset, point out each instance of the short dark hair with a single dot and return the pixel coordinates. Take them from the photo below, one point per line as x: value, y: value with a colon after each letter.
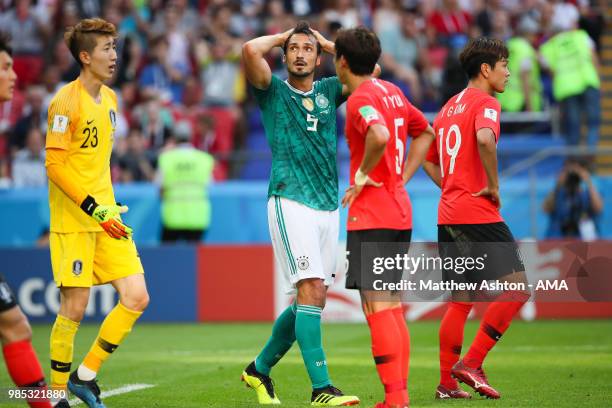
x: 302, y: 27
x: 480, y: 51
x: 5, y: 44
x: 83, y: 36
x: 361, y: 49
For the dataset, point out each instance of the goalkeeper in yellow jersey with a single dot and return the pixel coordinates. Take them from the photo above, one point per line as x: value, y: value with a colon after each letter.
x: 90, y: 244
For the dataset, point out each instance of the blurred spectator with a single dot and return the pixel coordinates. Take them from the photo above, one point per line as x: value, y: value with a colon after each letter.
x: 224, y: 84
x: 122, y: 125
x: 204, y: 133
x: 570, y: 55
x: 130, y: 60
x: 241, y: 22
x: 220, y: 24
x: 302, y: 8
x: 433, y: 66
x: 250, y: 11
x: 135, y: 16
x: 454, y: 78
x: 29, y: 163
x: 225, y: 122
x: 450, y: 20
x: 536, y: 13
x: 127, y: 98
x: 327, y: 67
x: 67, y: 65
x: 10, y: 113
x: 51, y: 82
x: 545, y: 18
x: 67, y: 17
x: 135, y: 163
x: 524, y: 88
x: 192, y: 103
x: 277, y: 20
x: 178, y: 39
x: 574, y: 205
x: 155, y: 122
x: 184, y: 175
x: 565, y: 15
x: 35, y: 116
x: 500, y: 27
x: 28, y: 32
x: 592, y: 20
x: 343, y: 12
x: 89, y: 8
x: 113, y: 14
x: 386, y: 16
x: 403, y: 47
x: 183, y: 17
x: 159, y: 77
x: 192, y: 94
x: 484, y: 18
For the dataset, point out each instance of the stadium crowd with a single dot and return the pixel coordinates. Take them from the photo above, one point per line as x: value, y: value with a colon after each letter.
x: 179, y: 60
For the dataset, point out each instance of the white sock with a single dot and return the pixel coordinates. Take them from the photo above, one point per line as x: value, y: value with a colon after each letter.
x: 85, y: 373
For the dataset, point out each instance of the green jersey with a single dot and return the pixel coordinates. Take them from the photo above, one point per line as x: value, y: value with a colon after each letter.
x: 301, y: 130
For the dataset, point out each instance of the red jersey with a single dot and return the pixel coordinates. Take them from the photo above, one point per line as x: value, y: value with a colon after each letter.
x: 456, y: 150
x: 381, y: 102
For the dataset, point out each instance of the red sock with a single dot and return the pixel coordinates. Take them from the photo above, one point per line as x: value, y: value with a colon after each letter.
x: 387, y: 352
x: 24, y: 368
x: 496, y: 320
x: 451, y: 340
x: 400, y: 319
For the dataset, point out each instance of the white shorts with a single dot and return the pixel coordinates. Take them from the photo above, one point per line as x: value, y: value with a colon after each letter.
x: 305, y: 241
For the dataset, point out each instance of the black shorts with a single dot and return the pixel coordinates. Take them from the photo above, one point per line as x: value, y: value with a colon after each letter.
x: 356, y: 278
x: 491, y: 245
x: 7, y: 297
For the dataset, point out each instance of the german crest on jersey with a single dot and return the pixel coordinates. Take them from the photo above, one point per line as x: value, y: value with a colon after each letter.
x: 322, y: 101
x: 303, y: 263
x: 113, y: 118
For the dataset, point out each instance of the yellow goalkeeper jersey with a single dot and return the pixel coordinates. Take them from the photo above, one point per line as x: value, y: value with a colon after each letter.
x: 85, y: 129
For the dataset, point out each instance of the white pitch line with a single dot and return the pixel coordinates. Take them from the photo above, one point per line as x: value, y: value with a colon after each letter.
x: 116, y: 391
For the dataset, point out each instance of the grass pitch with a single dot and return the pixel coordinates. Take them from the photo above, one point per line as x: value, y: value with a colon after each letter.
x: 538, y: 364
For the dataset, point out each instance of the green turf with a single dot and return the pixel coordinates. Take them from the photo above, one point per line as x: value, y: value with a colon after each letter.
x: 540, y: 364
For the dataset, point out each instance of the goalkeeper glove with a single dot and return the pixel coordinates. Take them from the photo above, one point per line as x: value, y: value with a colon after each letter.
x: 108, y: 216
